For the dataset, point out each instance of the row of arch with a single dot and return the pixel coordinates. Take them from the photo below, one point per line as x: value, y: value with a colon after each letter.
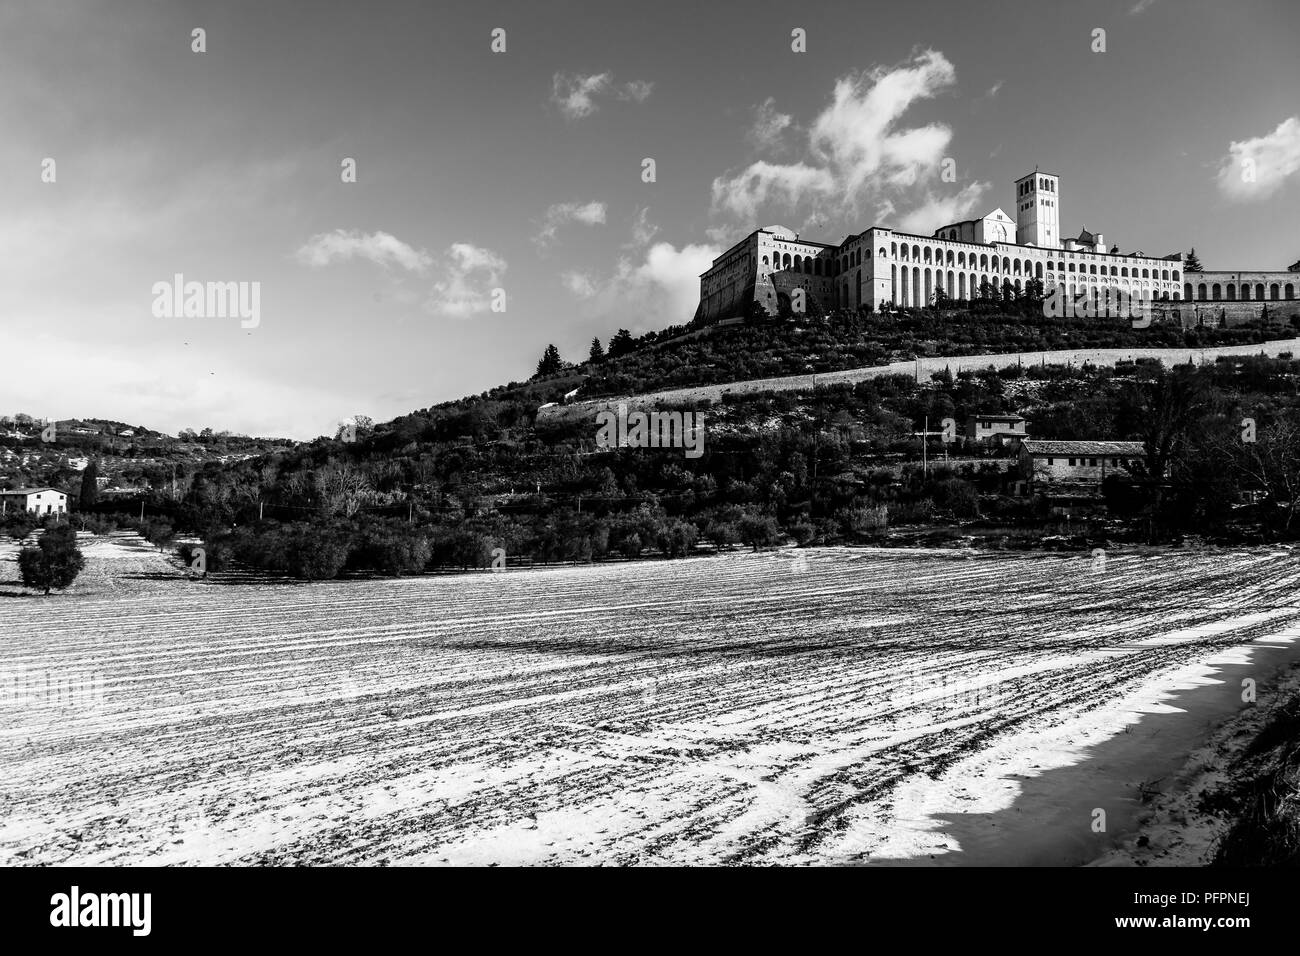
x: 818, y: 266
x: 1233, y: 291
x: 919, y: 288
x: 1020, y: 266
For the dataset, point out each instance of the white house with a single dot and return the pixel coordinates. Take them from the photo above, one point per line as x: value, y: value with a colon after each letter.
x: 996, y: 427
x: 1077, y: 462
x: 45, y: 501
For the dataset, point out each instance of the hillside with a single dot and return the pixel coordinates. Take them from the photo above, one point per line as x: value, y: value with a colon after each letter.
x: 462, y: 483
x: 131, y: 457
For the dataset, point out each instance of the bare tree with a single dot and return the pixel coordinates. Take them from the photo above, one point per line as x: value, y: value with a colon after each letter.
x: 343, y: 488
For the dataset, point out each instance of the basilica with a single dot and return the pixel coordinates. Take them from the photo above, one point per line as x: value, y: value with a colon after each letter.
x: 883, y: 268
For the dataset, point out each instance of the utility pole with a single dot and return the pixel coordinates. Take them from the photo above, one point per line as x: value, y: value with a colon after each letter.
x: 925, y: 444
x: 260, y: 505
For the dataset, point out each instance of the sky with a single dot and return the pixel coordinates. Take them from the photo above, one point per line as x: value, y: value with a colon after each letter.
x: 501, y: 200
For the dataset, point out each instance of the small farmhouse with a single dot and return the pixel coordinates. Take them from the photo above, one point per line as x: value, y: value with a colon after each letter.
x: 1077, y: 462
x: 45, y: 501
x: 996, y: 428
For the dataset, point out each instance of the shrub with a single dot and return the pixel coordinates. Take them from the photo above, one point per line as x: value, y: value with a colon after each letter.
x: 759, y: 531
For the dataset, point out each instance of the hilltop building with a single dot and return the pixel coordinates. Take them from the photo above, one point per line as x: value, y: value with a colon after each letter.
x: 883, y: 268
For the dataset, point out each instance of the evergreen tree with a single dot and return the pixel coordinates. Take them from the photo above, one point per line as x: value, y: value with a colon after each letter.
x: 55, y: 562
x: 89, y: 486
x: 597, y: 353
x: 550, y: 361
x: 1191, y: 263
x: 621, y: 344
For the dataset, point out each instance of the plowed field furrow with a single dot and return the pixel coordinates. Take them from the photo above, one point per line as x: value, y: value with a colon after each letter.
x: 734, y: 709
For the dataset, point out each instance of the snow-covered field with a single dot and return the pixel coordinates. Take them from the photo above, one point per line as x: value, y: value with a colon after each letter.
x: 826, y: 707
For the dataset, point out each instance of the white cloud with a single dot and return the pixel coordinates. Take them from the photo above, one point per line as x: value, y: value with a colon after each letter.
x: 995, y: 89
x: 661, y: 290
x: 643, y: 230
x: 938, y: 211
x: 762, y: 182
x: 576, y: 95
x: 1140, y: 6
x: 559, y: 214
x: 856, y: 153
x: 470, y: 273
x: 638, y: 91
x: 1256, y: 168
x: 579, y: 283
x: 380, y: 248
x: 770, y: 125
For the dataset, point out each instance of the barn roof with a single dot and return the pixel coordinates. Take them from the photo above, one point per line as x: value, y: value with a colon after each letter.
x: 1039, y: 446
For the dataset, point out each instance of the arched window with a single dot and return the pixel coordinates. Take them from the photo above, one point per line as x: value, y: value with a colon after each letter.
x: 882, y: 252
x: 1187, y: 291
x: 1038, y: 270
x: 1071, y: 266
x: 926, y: 253
x: 1245, y: 292
x: 893, y: 248
x: 798, y: 263
x: 1232, y: 292
x: 1176, y: 297
x: 1200, y: 291
x: 785, y: 261
x: 765, y: 264
x: 1272, y: 291
x: 1164, y: 275
x: 1216, y: 292
x: 1124, y: 272
x: 1290, y: 290
x: 1146, y: 273
x: 1060, y: 267
x: 961, y: 285
x: 984, y: 263
x: 916, y: 252
x: 1259, y: 291
x: 1093, y: 268
x: 1175, y: 275
x: 1006, y: 265
x: 961, y: 258
x: 950, y: 259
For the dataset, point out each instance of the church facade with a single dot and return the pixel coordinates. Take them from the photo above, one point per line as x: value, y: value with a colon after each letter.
x: 883, y: 268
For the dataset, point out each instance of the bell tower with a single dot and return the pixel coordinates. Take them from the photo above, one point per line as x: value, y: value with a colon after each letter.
x: 1038, y: 212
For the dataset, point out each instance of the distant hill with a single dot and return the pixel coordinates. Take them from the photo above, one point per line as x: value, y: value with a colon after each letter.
x: 131, y: 456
